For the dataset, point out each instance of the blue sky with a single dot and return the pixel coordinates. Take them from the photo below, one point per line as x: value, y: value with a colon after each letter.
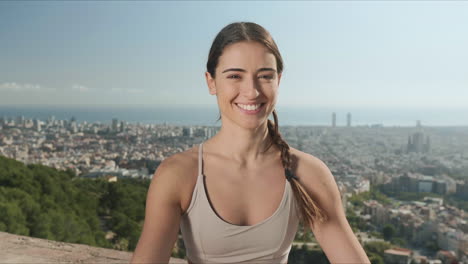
x: 386, y: 54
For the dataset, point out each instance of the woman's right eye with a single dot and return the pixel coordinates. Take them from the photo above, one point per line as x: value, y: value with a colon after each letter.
x: 235, y: 76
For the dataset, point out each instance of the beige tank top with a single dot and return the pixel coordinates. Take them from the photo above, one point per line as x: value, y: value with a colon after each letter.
x: 210, y: 239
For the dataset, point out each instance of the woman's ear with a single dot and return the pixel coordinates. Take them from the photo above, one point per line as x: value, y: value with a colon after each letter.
x: 279, y: 78
x: 210, y: 81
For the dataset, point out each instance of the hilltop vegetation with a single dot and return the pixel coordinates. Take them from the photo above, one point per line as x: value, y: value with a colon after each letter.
x: 43, y: 202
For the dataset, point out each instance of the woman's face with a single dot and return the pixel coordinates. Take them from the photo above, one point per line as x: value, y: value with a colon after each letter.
x: 246, y: 77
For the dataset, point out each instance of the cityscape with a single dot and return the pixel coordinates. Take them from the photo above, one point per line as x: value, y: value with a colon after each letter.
x: 95, y: 95
x: 422, y: 170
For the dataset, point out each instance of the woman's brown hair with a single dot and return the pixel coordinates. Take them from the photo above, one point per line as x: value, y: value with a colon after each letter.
x: 308, y: 211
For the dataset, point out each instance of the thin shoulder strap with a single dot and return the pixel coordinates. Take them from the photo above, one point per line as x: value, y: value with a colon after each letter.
x: 200, y: 159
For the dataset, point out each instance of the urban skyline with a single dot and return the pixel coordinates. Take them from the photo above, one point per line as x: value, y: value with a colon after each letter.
x: 114, y: 122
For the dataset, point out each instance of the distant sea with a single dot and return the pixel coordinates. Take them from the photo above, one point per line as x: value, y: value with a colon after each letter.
x: 199, y: 115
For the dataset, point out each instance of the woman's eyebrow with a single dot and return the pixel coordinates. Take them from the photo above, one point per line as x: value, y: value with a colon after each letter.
x: 242, y: 70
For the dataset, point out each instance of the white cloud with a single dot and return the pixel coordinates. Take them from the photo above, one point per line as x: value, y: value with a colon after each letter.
x: 80, y: 88
x: 13, y: 86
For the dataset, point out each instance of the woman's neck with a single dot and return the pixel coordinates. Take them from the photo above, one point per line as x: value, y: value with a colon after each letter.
x: 244, y: 146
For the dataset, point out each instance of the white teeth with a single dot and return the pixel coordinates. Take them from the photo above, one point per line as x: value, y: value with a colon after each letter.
x: 249, y: 107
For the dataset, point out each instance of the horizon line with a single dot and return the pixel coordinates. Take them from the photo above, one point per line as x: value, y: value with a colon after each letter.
x: 328, y: 107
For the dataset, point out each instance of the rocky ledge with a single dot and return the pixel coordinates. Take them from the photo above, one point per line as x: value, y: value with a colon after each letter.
x: 23, y: 249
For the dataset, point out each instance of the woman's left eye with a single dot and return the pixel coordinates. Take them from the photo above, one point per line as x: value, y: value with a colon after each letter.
x: 268, y: 77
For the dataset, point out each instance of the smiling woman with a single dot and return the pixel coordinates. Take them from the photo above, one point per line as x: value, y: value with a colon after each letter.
x: 239, y: 196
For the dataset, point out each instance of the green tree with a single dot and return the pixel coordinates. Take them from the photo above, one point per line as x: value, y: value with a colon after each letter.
x: 30, y: 208
x: 375, y: 259
x: 13, y: 219
x: 376, y: 249
x: 42, y: 228
x: 432, y: 245
x: 398, y: 241
x: 388, y: 231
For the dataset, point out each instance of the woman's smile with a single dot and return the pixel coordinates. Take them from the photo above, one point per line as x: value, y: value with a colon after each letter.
x: 250, y: 109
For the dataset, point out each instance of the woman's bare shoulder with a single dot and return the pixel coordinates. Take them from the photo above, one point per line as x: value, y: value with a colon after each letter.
x: 317, y: 179
x: 178, y: 173
x: 312, y: 172
x: 181, y: 164
x: 302, y: 159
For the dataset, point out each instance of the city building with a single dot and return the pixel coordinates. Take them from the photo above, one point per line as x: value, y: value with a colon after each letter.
x: 416, y: 143
x: 415, y: 182
x: 333, y: 119
x: 398, y: 256
x: 37, y: 125
x: 377, y: 212
x: 115, y: 124
x: 122, y: 126
x: 348, y: 120
x: 187, y: 132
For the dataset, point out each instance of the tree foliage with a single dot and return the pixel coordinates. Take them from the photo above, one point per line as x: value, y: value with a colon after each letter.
x: 388, y: 232
x: 373, y: 194
x: 375, y: 251
x: 303, y: 255
x: 40, y: 201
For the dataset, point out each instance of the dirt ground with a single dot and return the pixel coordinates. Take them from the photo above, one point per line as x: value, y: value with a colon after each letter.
x: 23, y: 249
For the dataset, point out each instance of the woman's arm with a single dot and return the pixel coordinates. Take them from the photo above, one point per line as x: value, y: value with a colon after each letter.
x: 162, y: 217
x: 335, y: 236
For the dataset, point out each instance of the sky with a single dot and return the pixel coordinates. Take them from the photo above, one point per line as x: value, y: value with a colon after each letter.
x: 379, y: 54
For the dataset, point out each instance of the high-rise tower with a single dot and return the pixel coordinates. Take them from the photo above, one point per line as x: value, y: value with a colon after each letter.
x: 115, y: 124
x: 333, y: 119
x: 348, y: 120
x: 122, y: 126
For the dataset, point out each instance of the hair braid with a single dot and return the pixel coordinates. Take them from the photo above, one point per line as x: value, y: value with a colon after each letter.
x: 308, y: 211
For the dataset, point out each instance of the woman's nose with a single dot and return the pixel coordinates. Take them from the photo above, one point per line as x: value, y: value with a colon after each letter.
x: 251, y: 88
